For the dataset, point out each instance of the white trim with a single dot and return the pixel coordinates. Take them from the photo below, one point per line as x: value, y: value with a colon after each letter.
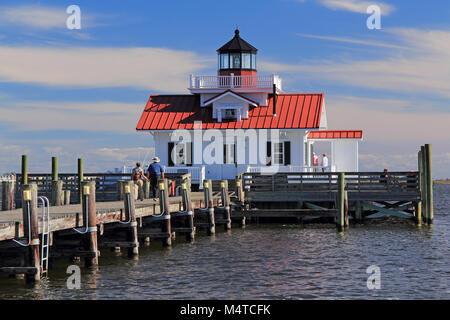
x: 231, y: 94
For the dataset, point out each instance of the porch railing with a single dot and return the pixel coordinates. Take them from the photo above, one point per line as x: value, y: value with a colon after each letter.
x: 213, y: 82
x: 289, y: 169
x: 358, y: 184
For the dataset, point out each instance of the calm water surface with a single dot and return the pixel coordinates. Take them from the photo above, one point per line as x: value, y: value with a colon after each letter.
x: 271, y: 262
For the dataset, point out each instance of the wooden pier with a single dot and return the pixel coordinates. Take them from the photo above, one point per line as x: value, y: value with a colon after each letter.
x: 80, y: 225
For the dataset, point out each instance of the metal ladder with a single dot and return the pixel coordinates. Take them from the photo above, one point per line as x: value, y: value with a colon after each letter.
x: 45, y: 234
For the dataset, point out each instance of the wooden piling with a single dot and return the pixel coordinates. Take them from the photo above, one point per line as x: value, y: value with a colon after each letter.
x: 54, y: 169
x: 358, y: 211
x: 57, y: 196
x: 187, y: 207
x: 8, y: 190
x: 24, y: 169
x: 88, y: 203
x: 130, y: 215
x: 420, y: 165
x: 207, y: 187
x: 146, y: 187
x: 164, y: 203
x: 340, y: 219
x: 80, y: 179
x: 57, y: 192
x: 346, y: 209
x: 66, y: 197
x: 120, y: 189
x: 29, y: 203
x: 429, y: 184
x: 418, y: 213
x: 226, y: 203
x: 240, y: 196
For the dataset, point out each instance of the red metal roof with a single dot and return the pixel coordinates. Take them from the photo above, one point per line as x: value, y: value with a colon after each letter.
x: 335, y: 134
x: 293, y: 111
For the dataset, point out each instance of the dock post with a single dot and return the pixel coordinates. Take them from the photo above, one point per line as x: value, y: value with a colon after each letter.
x: 226, y: 203
x: 209, y: 203
x: 120, y: 189
x: 420, y: 165
x: 24, y: 169
x: 130, y: 215
x: 340, y: 220
x: 240, y: 195
x: 418, y: 213
x: 424, y: 184
x: 164, y: 203
x: 146, y: 189
x: 30, y: 202
x: 57, y: 193
x: 80, y: 179
x: 346, y: 209
x: 66, y: 197
x: 187, y: 206
x: 429, y: 184
x: 358, y: 211
x: 8, y: 190
x: 89, y: 205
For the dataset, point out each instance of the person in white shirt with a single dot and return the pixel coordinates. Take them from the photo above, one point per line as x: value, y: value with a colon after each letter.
x: 324, y: 163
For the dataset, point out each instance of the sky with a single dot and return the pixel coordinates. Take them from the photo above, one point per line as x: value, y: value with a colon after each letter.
x: 79, y: 93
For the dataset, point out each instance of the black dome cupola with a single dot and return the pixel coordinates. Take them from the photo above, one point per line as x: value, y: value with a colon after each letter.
x: 236, y: 55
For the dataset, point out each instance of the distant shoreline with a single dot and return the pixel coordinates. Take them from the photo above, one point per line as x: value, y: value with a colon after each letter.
x: 442, y: 181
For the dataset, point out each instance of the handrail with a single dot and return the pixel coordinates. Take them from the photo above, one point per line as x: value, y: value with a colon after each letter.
x: 327, y: 181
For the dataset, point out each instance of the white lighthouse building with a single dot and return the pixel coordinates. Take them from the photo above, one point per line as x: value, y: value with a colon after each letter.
x: 240, y: 121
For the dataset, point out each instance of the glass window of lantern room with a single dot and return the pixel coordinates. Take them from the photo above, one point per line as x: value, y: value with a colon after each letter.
x: 246, y: 61
x: 253, y: 61
x: 224, y: 61
x: 235, y: 61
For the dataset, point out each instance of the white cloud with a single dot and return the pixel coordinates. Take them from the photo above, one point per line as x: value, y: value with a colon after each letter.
x: 387, y: 120
x: 88, y: 116
x: 423, y: 68
x: 147, y: 68
x: 40, y: 17
x: 356, y: 6
x: 353, y: 41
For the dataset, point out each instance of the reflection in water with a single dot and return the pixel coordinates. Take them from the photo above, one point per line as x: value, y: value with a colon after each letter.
x: 269, y: 262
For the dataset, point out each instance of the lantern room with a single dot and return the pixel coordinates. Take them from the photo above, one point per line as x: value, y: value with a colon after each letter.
x: 237, y: 57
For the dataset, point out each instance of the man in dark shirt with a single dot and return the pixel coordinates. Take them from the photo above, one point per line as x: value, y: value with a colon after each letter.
x: 155, y: 172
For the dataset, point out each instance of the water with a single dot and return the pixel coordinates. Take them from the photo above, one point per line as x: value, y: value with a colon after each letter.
x: 270, y: 262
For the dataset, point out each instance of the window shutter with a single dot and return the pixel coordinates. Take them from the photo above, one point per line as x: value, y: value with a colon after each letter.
x: 287, y: 153
x: 234, y: 153
x: 189, y: 154
x: 170, y: 149
x: 268, y: 153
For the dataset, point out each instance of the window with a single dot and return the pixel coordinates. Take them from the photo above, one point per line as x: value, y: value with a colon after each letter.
x: 235, y: 61
x: 246, y: 61
x: 180, y: 154
x: 278, y: 153
x: 229, y: 114
x: 224, y: 61
x: 253, y: 61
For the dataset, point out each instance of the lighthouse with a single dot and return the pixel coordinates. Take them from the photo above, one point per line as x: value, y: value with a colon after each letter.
x: 237, y: 57
x: 240, y: 120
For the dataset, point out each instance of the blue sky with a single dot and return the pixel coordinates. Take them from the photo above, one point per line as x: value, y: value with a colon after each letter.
x: 79, y: 93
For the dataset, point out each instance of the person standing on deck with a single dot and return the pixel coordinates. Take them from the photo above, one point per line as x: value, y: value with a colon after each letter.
x: 155, y: 172
x: 315, y: 161
x: 137, y: 176
x: 324, y: 162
